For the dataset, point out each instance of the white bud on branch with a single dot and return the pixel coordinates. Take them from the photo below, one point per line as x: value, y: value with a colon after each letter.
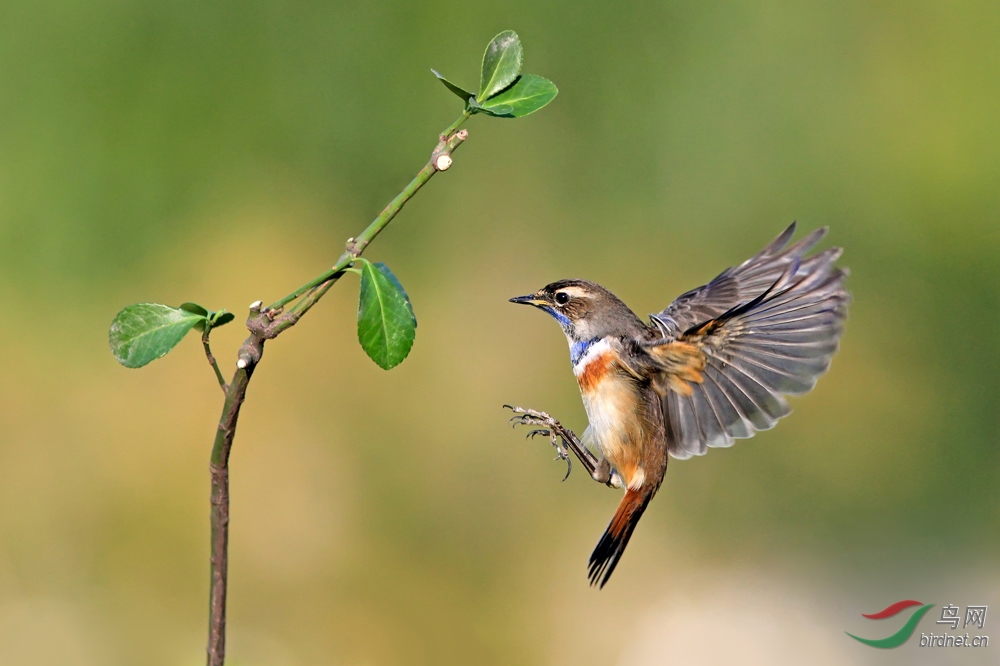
x: 442, y: 162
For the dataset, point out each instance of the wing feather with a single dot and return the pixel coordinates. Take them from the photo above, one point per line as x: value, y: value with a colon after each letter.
x: 728, y: 352
x: 739, y: 283
x: 737, y: 426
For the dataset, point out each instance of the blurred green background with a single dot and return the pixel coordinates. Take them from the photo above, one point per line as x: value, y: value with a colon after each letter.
x: 223, y: 151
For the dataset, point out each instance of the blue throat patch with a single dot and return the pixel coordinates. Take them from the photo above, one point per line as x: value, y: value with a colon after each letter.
x: 578, y: 349
x: 559, y: 317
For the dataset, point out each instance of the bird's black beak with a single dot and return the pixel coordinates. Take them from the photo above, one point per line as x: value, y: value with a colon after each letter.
x: 531, y: 299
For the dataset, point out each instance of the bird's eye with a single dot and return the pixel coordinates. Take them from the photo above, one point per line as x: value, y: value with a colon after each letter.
x: 562, y: 298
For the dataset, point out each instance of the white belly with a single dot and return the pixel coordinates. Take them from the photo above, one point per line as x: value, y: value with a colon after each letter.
x: 610, y: 408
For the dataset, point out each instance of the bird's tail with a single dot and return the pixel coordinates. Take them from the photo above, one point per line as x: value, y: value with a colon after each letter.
x: 609, y: 549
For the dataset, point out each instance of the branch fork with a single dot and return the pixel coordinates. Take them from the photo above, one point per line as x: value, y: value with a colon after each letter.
x: 143, y: 332
x: 266, y: 323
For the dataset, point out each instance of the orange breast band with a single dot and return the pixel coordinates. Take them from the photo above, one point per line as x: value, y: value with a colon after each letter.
x: 595, y: 372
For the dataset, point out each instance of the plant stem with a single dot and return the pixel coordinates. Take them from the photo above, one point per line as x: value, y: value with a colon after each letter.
x: 458, y: 123
x: 219, y: 467
x: 450, y: 140
x: 265, y: 324
x: 211, y: 360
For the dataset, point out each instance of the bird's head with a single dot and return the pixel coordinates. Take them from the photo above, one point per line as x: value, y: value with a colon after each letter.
x: 584, y: 309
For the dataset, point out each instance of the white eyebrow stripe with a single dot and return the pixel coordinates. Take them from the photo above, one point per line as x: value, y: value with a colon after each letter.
x: 573, y: 292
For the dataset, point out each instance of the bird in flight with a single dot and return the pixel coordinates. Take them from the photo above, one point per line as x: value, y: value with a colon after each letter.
x: 711, y: 368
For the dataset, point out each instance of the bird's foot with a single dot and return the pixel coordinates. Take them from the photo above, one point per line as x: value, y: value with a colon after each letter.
x: 562, y: 453
x: 563, y: 439
x: 552, y: 429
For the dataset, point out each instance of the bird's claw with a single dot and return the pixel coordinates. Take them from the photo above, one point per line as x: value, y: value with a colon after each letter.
x: 552, y: 430
x: 563, y: 454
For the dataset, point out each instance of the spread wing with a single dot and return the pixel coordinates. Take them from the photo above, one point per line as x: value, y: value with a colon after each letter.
x: 735, y: 285
x: 733, y: 348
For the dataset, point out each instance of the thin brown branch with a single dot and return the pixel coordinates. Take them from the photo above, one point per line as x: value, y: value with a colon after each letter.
x: 211, y: 360
x: 249, y: 355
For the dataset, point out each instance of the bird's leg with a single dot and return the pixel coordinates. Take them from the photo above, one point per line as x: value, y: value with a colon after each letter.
x: 599, y: 470
x: 604, y: 474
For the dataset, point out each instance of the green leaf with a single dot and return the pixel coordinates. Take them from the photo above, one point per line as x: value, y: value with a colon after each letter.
x: 528, y: 94
x: 221, y: 318
x: 499, y: 110
x: 194, y: 308
x: 461, y: 92
x: 146, y: 331
x: 211, y: 319
x: 386, y: 323
x: 501, y: 64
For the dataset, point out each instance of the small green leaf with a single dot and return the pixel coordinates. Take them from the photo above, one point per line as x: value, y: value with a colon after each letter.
x: 386, y: 323
x: 221, y: 318
x: 194, y: 308
x: 498, y: 110
x: 212, y: 319
x: 461, y: 92
x: 501, y: 64
x: 146, y: 331
x: 528, y: 94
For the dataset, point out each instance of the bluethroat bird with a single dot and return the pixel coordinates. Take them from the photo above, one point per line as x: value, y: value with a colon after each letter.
x: 711, y: 368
